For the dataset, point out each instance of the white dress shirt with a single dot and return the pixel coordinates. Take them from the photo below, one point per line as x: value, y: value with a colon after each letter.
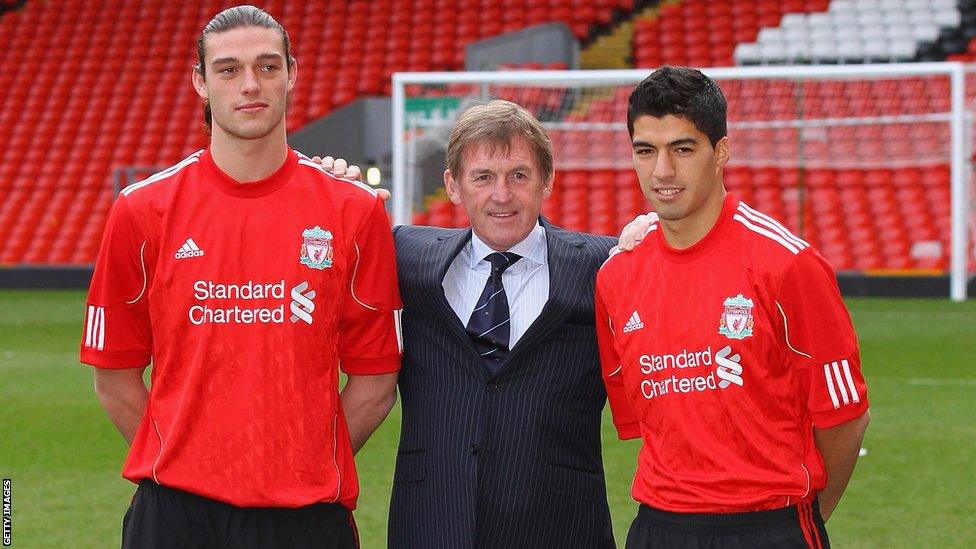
x: 526, y: 282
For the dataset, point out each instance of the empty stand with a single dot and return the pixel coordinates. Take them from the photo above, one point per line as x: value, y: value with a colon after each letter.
x: 702, y: 33
x: 858, y: 31
x: 97, y: 86
x: 100, y: 86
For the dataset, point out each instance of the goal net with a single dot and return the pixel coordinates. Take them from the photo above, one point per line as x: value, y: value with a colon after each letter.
x: 869, y: 163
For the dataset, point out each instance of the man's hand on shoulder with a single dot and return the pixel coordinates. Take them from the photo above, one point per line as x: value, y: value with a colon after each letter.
x: 339, y: 167
x: 634, y: 232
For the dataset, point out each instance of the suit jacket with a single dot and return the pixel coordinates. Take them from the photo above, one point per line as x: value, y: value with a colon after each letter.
x: 507, y: 460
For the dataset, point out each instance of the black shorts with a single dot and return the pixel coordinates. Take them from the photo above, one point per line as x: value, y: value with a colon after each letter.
x: 166, y: 518
x: 796, y: 526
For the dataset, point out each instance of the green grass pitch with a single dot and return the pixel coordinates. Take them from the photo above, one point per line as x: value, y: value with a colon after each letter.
x: 916, y: 487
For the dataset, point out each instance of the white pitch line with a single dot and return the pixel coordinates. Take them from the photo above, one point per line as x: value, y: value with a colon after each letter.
x: 943, y: 382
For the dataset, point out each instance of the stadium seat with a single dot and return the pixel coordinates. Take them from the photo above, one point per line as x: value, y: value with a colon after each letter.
x: 836, y: 206
x: 125, y: 120
x: 928, y: 31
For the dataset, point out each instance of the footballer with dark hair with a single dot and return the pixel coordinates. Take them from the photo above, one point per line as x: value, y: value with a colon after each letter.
x: 725, y: 346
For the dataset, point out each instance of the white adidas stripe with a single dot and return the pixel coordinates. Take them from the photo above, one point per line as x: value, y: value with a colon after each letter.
x: 765, y: 232
x: 773, y: 222
x: 830, y: 386
x: 95, y: 328
x: 89, y: 326
x: 763, y: 219
x: 841, y: 384
x: 306, y: 161
x: 168, y: 172
x: 101, y: 328
x: 850, y: 381
x: 193, y: 245
x: 397, y: 313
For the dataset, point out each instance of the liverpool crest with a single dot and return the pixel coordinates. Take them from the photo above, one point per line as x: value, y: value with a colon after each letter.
x: 736, y: 321
x: 316, y: 248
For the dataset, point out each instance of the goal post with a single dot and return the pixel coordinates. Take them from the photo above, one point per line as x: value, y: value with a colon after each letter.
x: 870, y: 162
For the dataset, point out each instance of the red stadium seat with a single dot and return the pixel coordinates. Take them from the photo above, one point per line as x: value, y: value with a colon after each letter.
x: 126, y: 120
x: 863, y: 218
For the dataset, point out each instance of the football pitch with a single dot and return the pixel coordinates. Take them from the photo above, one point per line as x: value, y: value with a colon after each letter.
x: 915, y: 487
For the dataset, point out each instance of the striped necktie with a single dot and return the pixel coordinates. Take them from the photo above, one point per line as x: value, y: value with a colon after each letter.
x: 489, y: 325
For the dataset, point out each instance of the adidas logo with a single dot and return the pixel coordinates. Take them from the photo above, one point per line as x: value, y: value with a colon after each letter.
x: 633, y: 323
x: 188, y: 249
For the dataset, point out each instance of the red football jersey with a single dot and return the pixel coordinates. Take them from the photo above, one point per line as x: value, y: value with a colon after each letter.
x: 723, y: 357
x: 247, y: 298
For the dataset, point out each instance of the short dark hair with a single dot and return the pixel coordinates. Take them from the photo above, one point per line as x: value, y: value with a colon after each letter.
x: 680, y: 91
x: 236, y: 18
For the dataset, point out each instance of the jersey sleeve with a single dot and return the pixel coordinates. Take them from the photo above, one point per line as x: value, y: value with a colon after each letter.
x: 117, y: 332
x: 623, y: 416
x: 821, y: 338
x: 370, y: 341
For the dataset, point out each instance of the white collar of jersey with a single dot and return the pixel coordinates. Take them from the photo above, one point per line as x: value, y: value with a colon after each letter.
x: 532, y: 247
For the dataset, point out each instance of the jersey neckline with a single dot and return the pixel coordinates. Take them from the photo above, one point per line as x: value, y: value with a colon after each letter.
x: 253, y: 189
x: 707, y: 242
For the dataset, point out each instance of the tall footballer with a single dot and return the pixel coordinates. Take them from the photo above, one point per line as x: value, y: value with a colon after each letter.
x: 248, y: 277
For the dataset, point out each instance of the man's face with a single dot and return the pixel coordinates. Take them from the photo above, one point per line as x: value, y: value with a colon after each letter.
x: 680, y: 172
x: 247, y: 81
x: 501, y: 191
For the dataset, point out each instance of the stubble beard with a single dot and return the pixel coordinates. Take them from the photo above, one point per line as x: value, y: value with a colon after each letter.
x: 258, y: 132
x: 669, y: 213
x: 249, y: 133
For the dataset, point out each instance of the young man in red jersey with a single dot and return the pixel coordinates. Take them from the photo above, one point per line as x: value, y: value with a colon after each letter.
x: 725, y: 345
x: 247, y: 276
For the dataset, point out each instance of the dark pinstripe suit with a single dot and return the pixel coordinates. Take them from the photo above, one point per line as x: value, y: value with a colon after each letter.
x: 505, y: 461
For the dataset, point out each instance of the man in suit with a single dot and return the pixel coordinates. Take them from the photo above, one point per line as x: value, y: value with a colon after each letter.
x: 500, y: 385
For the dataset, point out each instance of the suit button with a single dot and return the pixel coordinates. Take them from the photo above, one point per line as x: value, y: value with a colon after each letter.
x: 492, y: 388
x: 474, y: 449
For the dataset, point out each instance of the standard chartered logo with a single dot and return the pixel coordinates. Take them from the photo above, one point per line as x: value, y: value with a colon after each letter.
x: 695, y: 373
x: 250, y: 302
x: 728, y: 369
x: 301, y: 303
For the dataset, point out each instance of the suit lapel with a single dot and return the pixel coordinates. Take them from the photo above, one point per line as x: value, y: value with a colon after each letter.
x: 442, y: 250
x: 565, y: 253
